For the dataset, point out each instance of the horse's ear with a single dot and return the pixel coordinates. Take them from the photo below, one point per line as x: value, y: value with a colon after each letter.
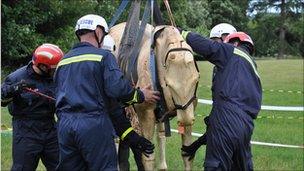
x: 156, y: 33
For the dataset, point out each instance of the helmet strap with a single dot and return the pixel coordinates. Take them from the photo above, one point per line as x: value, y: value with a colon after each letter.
x: 101, y: 40
x: 43, y: 73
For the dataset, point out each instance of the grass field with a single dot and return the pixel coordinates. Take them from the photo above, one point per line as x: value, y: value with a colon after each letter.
x: 286, y: 75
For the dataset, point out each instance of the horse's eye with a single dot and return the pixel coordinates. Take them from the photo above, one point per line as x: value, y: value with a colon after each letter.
x: 172, y: 56
x: 170, y: 43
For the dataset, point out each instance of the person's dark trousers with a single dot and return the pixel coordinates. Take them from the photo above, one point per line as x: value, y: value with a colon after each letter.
x: 34, y: 140
x: 123, y: 157
x: 228, y: 139
x: 86, y: 142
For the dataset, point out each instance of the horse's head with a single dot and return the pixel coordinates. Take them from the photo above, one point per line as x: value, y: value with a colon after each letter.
x: 179, y: 69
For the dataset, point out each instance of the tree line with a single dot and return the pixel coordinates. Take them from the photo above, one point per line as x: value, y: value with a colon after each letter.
x: 276, y: 26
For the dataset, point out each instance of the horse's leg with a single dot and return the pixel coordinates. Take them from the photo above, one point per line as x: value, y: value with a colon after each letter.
x: 186, y: 140
x: 161, y: 142
x: 147, y: 122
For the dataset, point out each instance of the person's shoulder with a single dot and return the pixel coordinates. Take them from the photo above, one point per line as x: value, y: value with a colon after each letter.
x: 227, y: 47
x: 107, y: 55
x: 18, y: 74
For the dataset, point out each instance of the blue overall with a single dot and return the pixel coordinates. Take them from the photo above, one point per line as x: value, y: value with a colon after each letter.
x: 236, y: 95
x: 34, y: 127
x: 88, y: 80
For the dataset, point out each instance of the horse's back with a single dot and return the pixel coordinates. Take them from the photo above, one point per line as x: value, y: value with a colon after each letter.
x: 117, y: 32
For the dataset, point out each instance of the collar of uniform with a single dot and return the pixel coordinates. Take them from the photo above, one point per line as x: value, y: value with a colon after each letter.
x: 33, y: 74
x: 30, y: 69
x: 81, y: 44
x: 245, y: 49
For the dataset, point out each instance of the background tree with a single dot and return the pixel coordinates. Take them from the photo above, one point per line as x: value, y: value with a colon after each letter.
x: 229, y: 11
x: 276, y: 26
x: 285, y: 13
x: 26, y: 24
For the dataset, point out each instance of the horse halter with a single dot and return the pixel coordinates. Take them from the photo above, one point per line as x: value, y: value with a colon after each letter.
x: 176, y: 106
x: 185, y: 106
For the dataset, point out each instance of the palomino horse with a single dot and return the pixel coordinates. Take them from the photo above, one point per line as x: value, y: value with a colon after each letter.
x: 178, y: 76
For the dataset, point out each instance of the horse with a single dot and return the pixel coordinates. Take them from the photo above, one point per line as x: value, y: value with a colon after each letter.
x: 178, y: 77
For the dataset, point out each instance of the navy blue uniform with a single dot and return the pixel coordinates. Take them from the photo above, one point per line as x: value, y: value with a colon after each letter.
x: 88, y: 82
x: 236, y: 95
x: 34, y: 127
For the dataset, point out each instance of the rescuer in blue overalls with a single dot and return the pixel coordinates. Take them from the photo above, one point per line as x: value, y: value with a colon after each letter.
x: 236, y: 95
x: 89, y: 85
x: 123, y: 147
x: 218, y: 33
x: 34, y: 126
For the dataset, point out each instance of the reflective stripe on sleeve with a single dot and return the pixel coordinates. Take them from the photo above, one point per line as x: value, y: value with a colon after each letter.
x: 248, y: 58
x: 6, y: 100
x: 80, y: 58
x: 123, y: 136
x: 185, y: 34
x: 134, y: 99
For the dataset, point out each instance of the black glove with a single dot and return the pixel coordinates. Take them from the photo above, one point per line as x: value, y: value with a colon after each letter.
x: 206, y: 120
x: 19, y: 86
x: 190, y: 150
x: 139, y: 142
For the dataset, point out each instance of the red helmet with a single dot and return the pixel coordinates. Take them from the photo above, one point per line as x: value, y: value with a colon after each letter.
x: 47, y: 54
x: 243, y: 37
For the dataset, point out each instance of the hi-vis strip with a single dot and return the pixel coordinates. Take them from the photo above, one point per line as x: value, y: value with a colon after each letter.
x: 80, y: 58
x: 274, y: 108
x: 270, y: 90
x: 253, y: 142
x: 248, y: 58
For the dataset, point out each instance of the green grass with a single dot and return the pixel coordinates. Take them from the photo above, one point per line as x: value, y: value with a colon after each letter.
x: 276, y: 75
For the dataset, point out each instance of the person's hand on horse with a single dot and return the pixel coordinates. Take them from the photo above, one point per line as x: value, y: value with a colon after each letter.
x: 139, y: 142
x: 151, y: 96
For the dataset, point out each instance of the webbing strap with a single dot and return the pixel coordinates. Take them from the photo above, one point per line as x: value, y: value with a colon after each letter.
x: 118, y: 12
x: 157, y: 16
x: 248, y: 58
x: 128, y: 37
x: 153, y: 69
x: 132, y: 65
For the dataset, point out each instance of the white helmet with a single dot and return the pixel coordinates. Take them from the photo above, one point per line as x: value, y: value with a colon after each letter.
x: 222, y: 28
x: 108, y: 43
x: 90, y: 22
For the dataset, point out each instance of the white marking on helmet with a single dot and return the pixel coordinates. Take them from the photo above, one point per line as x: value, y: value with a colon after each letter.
x: 46, y: 54
x: 53, y: 47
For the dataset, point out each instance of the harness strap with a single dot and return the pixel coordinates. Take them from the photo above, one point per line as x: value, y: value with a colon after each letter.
x: 128, y: 37
x: 132, y: 66
x: 184, y: 107
x: 175, y: 49
x: 158, y: 19
x: 118, y: 12
x: 153, y: 69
